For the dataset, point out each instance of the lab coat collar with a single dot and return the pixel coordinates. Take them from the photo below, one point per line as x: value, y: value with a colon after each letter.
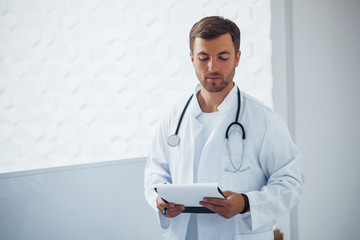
x: 229, y: 100
x: 195, y: 106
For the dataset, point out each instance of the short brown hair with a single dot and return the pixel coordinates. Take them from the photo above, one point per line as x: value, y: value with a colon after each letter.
x: 213, y: 27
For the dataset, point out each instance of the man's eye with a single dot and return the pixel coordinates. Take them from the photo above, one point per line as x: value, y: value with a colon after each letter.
x: 223, y: 59
x: 203, y: 59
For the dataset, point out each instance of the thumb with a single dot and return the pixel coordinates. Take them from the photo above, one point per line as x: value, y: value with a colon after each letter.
x: 227, y: 193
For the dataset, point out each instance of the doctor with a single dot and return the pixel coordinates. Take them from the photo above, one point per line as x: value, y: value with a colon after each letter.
x: 225, y: 136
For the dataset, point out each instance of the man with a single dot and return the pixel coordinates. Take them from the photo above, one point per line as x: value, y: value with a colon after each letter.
x: 254, y: 161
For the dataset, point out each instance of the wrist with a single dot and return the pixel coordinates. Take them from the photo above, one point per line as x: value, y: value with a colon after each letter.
x: 246, y: 204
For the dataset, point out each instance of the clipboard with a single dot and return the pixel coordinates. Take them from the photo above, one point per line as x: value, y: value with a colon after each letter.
x: 189, y: 195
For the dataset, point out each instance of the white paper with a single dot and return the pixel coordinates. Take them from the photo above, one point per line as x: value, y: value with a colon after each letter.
x: 188, y: 194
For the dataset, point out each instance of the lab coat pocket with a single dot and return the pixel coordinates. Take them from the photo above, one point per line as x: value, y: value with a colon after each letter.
x: 233, y: 177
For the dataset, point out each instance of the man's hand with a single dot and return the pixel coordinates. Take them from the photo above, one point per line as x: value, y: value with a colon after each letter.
x: 227, y: 208
x: 172, y: 210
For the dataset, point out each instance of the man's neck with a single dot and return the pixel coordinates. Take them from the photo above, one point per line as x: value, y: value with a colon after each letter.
x: 209, y: 101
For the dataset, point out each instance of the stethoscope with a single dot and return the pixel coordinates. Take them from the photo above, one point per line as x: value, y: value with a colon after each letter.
x: 174, y: 139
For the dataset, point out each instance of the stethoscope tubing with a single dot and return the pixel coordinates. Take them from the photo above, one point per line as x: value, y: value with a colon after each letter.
x: 174, y: 139
x: 236, y: 119
x: 182, y: 114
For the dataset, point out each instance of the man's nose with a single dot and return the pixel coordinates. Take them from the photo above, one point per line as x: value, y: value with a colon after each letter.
x: 212, y: 66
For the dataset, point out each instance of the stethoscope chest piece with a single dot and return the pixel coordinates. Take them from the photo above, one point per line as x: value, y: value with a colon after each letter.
x: 173, y: 140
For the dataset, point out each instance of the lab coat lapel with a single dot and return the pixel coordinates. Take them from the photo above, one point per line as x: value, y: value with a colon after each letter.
x: 210, y: 162
x: 191, y: 130
x: 210, y: 158
x: 195, y: 128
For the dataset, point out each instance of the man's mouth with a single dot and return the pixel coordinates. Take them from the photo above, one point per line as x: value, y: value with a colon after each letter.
x: 213, y: 78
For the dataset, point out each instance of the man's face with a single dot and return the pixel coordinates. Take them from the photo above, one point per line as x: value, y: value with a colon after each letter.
x: 214, y: 62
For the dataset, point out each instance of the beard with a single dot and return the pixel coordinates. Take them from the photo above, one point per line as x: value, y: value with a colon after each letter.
x: 215, y: 85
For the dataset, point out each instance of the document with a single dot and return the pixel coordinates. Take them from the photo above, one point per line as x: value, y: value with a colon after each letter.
x: 189, y: 195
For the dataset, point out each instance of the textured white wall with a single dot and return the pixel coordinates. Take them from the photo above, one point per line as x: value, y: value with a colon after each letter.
x: 87, y: 80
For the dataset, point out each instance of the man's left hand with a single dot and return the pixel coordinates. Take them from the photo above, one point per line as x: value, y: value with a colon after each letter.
x: 227, y: 208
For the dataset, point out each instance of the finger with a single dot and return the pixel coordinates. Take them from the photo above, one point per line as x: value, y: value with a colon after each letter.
x: 177, y: 208
x: 162, y: 204
x: 174, y: 208
x: 227, y: 193
x: 162, y: 207
x: 166, y: 205
x: 215, y: 208
x: 216, y: 201
x: 175, y: 211
x: 173, y: 214
x: 220, y: 210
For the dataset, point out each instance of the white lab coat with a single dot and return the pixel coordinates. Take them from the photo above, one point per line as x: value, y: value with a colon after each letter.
x: 273, y: 183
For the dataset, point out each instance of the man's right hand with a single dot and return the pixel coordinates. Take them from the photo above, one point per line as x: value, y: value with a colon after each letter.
x: 172, y: 210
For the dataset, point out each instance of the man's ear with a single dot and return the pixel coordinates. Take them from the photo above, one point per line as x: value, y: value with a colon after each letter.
x: 237, y: 58
x: 192, y: 58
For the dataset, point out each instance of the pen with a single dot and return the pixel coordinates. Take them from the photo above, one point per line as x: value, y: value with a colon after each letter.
x: 164, y: 208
